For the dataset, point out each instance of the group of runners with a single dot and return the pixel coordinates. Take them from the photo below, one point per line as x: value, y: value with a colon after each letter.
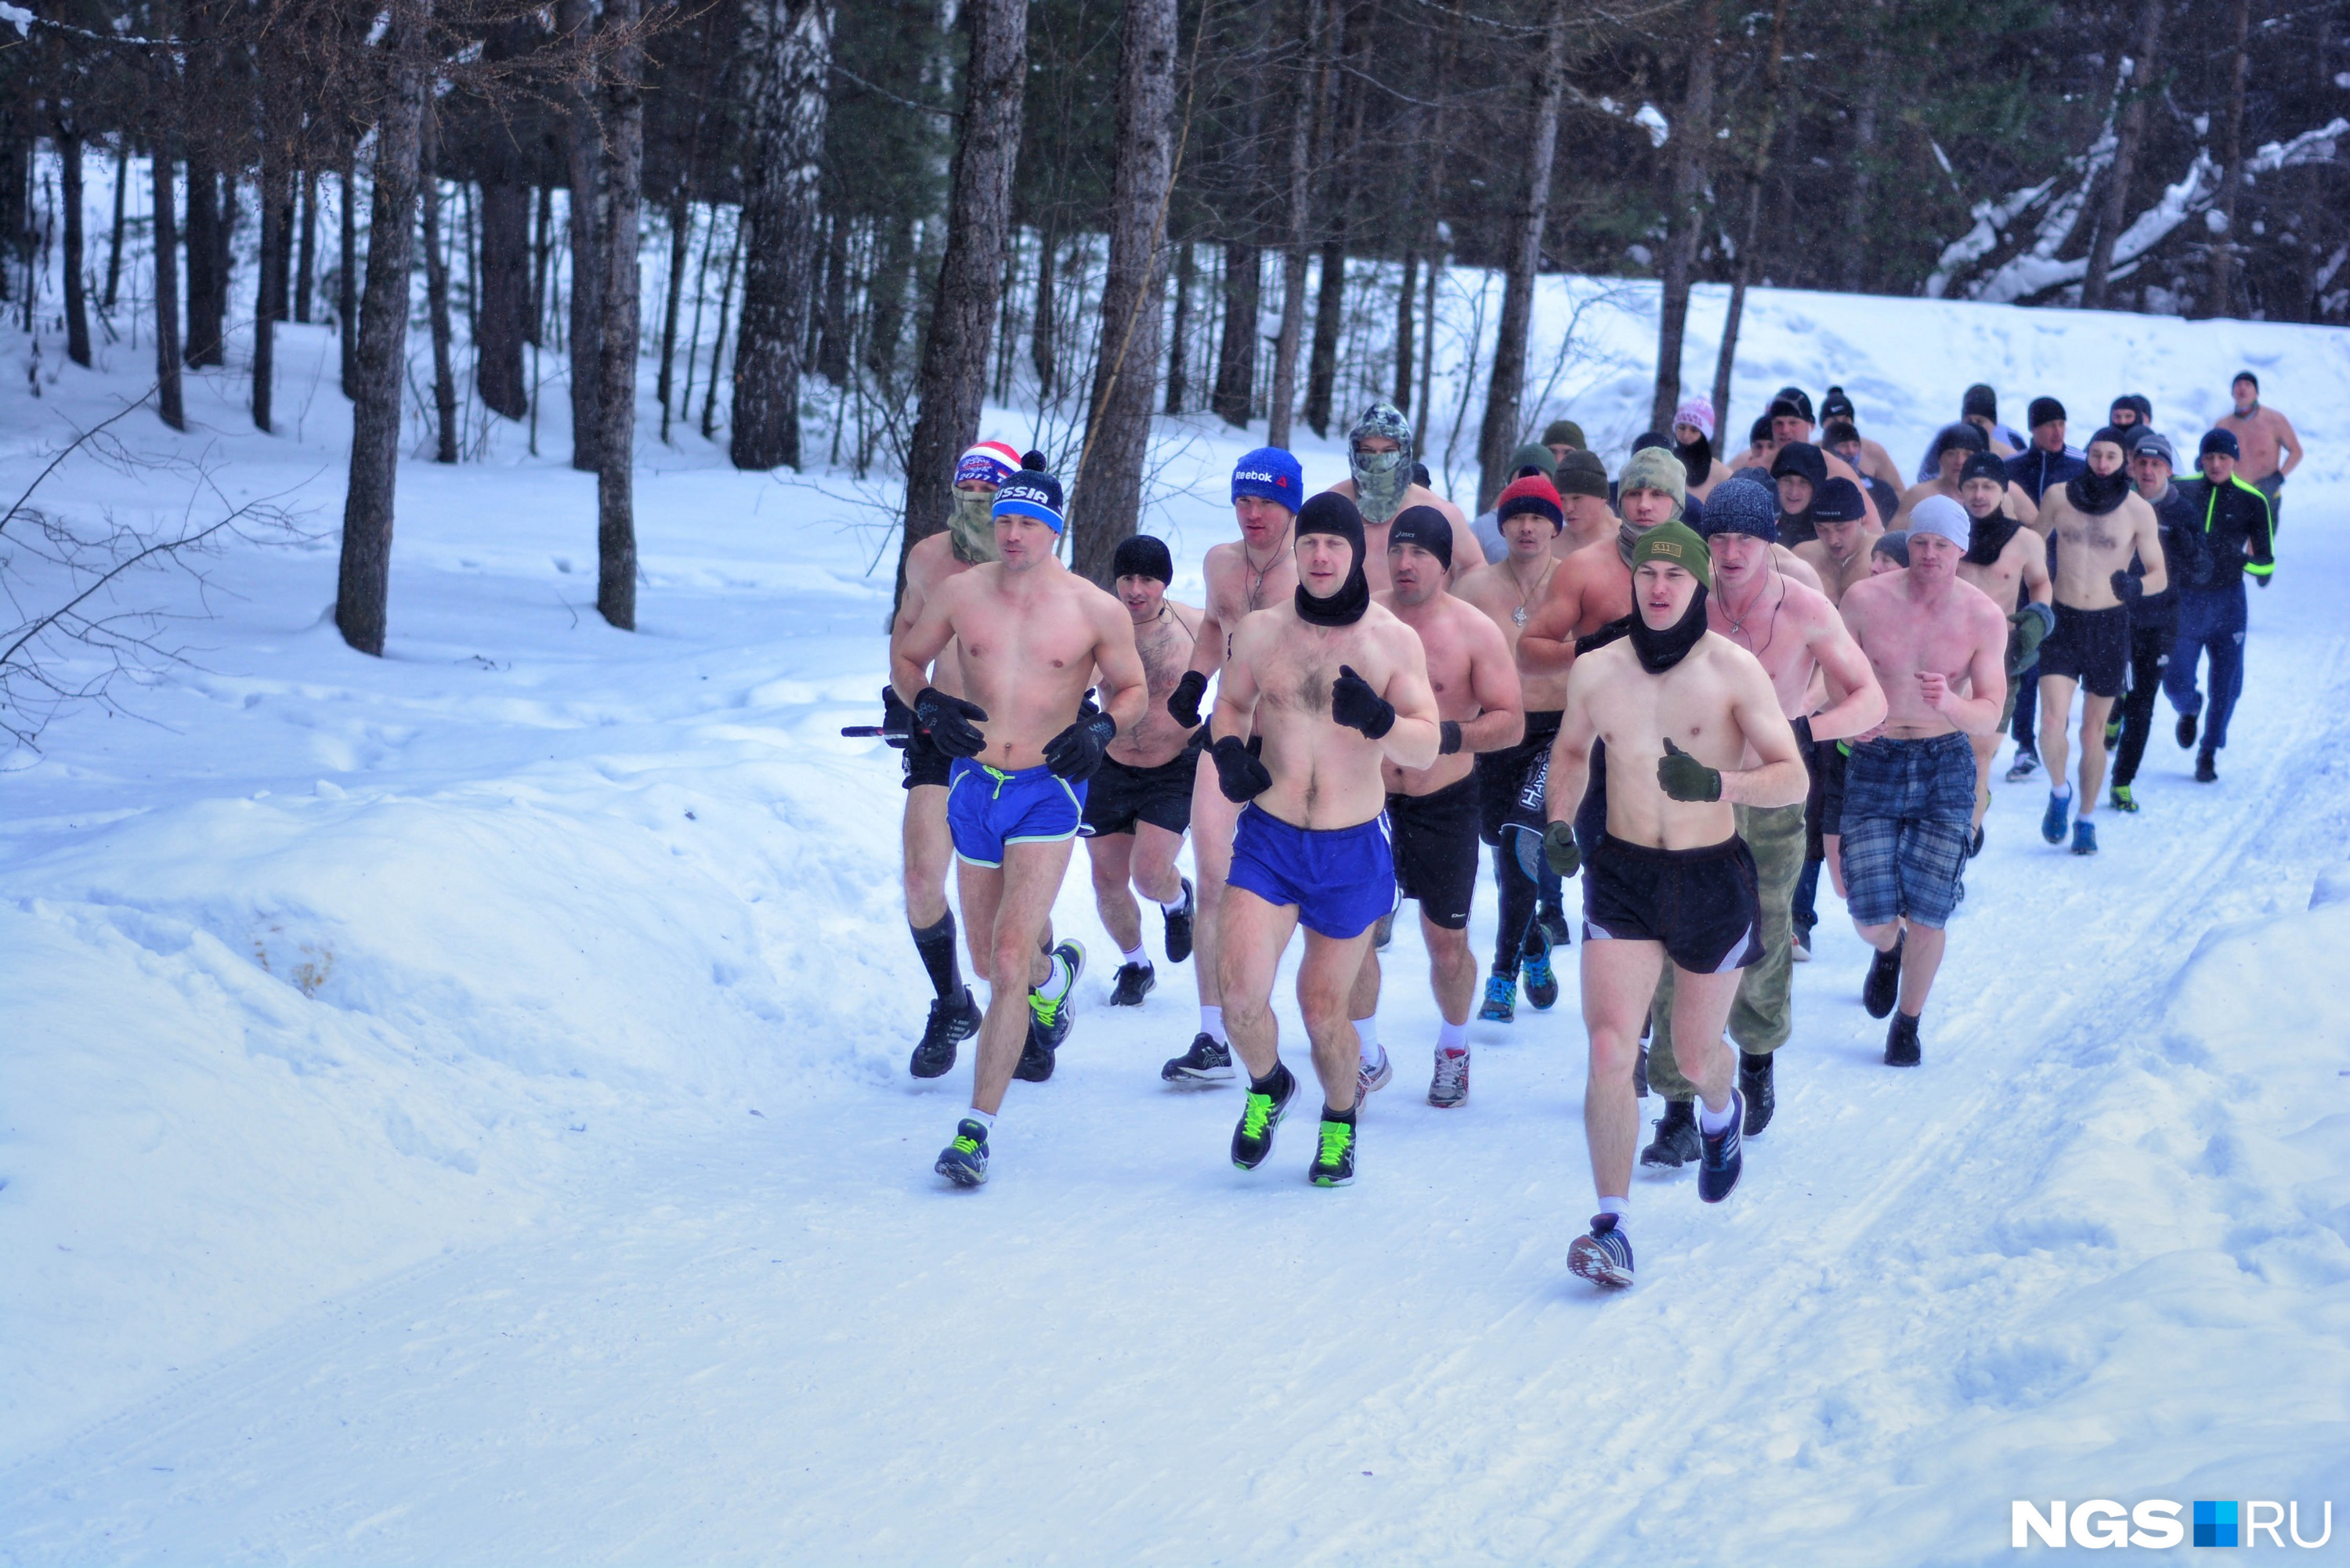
x: 1694, y: 686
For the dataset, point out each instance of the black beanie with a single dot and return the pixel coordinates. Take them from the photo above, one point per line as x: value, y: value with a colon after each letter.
x: 1427, y: 527
x: 1969, y: 436
x: 1761, y: 432
x: 2108, y: 433
x: 1801, y: 457
x: 1143, y: 557
x: 1837, y: 502
x: 1983, y: 465
x: 1798, y: 402
x: 1838, y: 431
x: 1836, y: 405
x: 2045, y: 410
x: 1979, y: 399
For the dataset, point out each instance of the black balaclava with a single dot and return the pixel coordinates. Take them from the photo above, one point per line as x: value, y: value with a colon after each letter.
x: 1334, y: 514
x: 1987, y: 536
x: 1697, y: 459
x: 1660, y: 651
x: 2098, y: 493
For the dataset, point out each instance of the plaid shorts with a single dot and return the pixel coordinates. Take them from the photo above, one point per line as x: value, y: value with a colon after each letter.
x: 1908, y: 810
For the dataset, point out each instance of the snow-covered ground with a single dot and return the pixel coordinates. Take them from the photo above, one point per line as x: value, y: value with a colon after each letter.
x: 453, y: 1106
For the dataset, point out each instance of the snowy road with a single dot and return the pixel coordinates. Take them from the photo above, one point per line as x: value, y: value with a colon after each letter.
x: 777, y: 1338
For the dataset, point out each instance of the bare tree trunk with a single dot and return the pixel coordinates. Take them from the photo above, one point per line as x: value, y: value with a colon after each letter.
x: 436, y: 292
x: 1692, y: 139
x: 114, y: 241
x: 76, y: 291
x: 1322, y: 364
x: 502, y: 314
x: 347, y: 286
x: 1727, y: 360
x: 272, y: 287
x: 1301, y: 114
x: 832, y: 349
x: 1863, y: 159
x: 717, y: 346
x: 1042, y: 327
x: 365, y: 578
x: 1177, y: 382
x: 1404, y: 300
x: 204, y: 263
x: 307, y: 254
x: 701, y: 298
x: 2128, y: 139
x: 954, y: 376
x: 1003, y: 298
x: 167, y: 292
x: 789, y: 43
x: 1428, y: 357
x: 616, y: 442
x: 542, y: 256
x: 585, y: 157
x: 1236, y: 355
x: 2231, y: 182
x: 680, y: 246
x: 1106, y: 502
x: 1499, y: 436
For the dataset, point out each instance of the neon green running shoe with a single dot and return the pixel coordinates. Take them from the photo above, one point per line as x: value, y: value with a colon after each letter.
x: 1334, y: 1165
x: 1262, y: 1112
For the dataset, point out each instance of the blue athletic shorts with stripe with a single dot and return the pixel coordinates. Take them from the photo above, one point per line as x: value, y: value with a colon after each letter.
x: 1340, y: 879
x: 988, y: 808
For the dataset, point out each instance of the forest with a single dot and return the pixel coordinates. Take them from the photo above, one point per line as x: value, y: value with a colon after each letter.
x: 894, y: 211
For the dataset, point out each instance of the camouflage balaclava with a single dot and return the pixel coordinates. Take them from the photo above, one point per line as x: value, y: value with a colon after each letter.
x: 970, y: 528
x: 1380, y: 479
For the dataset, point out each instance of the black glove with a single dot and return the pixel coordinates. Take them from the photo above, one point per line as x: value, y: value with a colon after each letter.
x: 1447, y: 737
x: 1354, y: 704
x: 1240, y: 777
x: 1803, y: 727
x: 897, y: 719
x: 1076, y: 752
x: 1183, y: 703
x: 1559, y: 848
x: 953, y: 722
x: 2126, y: 588
x: 1683, y: 778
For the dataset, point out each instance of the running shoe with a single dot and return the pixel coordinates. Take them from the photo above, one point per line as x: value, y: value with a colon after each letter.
x: 1901, y: 1048
x: 2206, y: 766
x: 2114, y: 729
x: 1179, y: 927
x: 1802, y: 942
x: 1974, y: 845
x: 952, y: 1022
x: 2085, y: 837
x: 1723, y: 1157
x: 1450, y: 1087
x: 1501, y: 999
x: 2052, y: 820
x: 1133, y: 984
x: 965, y: 1161
x: 1542, y: 983
x: 1554, y: 924
x: 1605, y: 1256
x: 2188, y: 723
x: 2121, y: 799
x: 1676, y: 1141
x: 1755, y: 1083
x: 1883, y: 987
x: 2027, y: 763
x: 1334, y: 1160
x: 1252, y: 1139
x: 1052, y: 1018
x: 1036, y: 1058
x: 1209, y: 1060
x: 1373, y: 1075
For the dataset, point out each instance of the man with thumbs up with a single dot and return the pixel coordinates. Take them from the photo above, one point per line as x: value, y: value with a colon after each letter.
x: 1680, y: 707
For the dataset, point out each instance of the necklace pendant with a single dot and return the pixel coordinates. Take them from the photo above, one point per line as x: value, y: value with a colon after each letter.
x: 1519, y: 614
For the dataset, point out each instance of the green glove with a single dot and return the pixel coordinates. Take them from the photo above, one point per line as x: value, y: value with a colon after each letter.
x: 2027, y: 629
x: 1559, y: 848
x: 1683, y: 778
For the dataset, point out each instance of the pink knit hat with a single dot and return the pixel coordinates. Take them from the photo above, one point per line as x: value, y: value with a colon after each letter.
x: 1696, y: 411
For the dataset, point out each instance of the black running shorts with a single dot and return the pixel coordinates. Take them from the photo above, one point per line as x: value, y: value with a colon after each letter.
x: 1122, y: 796
x: 1436, y: 850
x: 1501, y: 774
x: 2091, y: 646
x: 1701, y: 904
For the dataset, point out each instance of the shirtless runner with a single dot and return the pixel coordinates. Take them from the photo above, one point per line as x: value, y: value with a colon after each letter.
x: 1693, y: 443
x: 1839, y: 554
x: 1954, y: 460
x: 1792, y: 421
x: 1509, y: 591
x: 1678, y: 707
x: 1939, y: 647
x: 2265, y: 439
x: 1245, y: 575
x: 1795, y: 634
x: 2009, y: 562
x: 1380, y: 483
x: 967, y: 541
x: 2094, y: 522
x: 1140, y: 803
x: 1033, y: 636
x: 1335, y: 686
x: 1432, y: 811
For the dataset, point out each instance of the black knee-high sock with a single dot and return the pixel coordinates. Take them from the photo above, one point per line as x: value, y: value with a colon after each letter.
x: 937, y: 946
x: 1518, y: 898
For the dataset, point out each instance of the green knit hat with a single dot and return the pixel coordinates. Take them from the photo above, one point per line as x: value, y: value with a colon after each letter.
x: 1677, y: 543
x: 1533, y: 455
x: 1564, y: 433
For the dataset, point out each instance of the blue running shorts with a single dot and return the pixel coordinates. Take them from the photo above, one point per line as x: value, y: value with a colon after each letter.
x: 1341, y: 880
x: 988, y: 808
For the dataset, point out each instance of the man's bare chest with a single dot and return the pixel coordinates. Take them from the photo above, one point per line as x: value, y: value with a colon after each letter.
x: 999, y: 642
x: 1298, y: 675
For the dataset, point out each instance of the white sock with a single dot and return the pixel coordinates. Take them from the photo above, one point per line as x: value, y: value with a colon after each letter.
x: 1452, y: 1036
x: 1058, y: 983
x: 1211, y: 1023
x: 1368, y: 1028
x: 1618, y: 1207
x: 984, y: 1118
x: 1713, y: 1123
x: 1174, y: 906
x: 2063, y: 792
x: 1134, y: 955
